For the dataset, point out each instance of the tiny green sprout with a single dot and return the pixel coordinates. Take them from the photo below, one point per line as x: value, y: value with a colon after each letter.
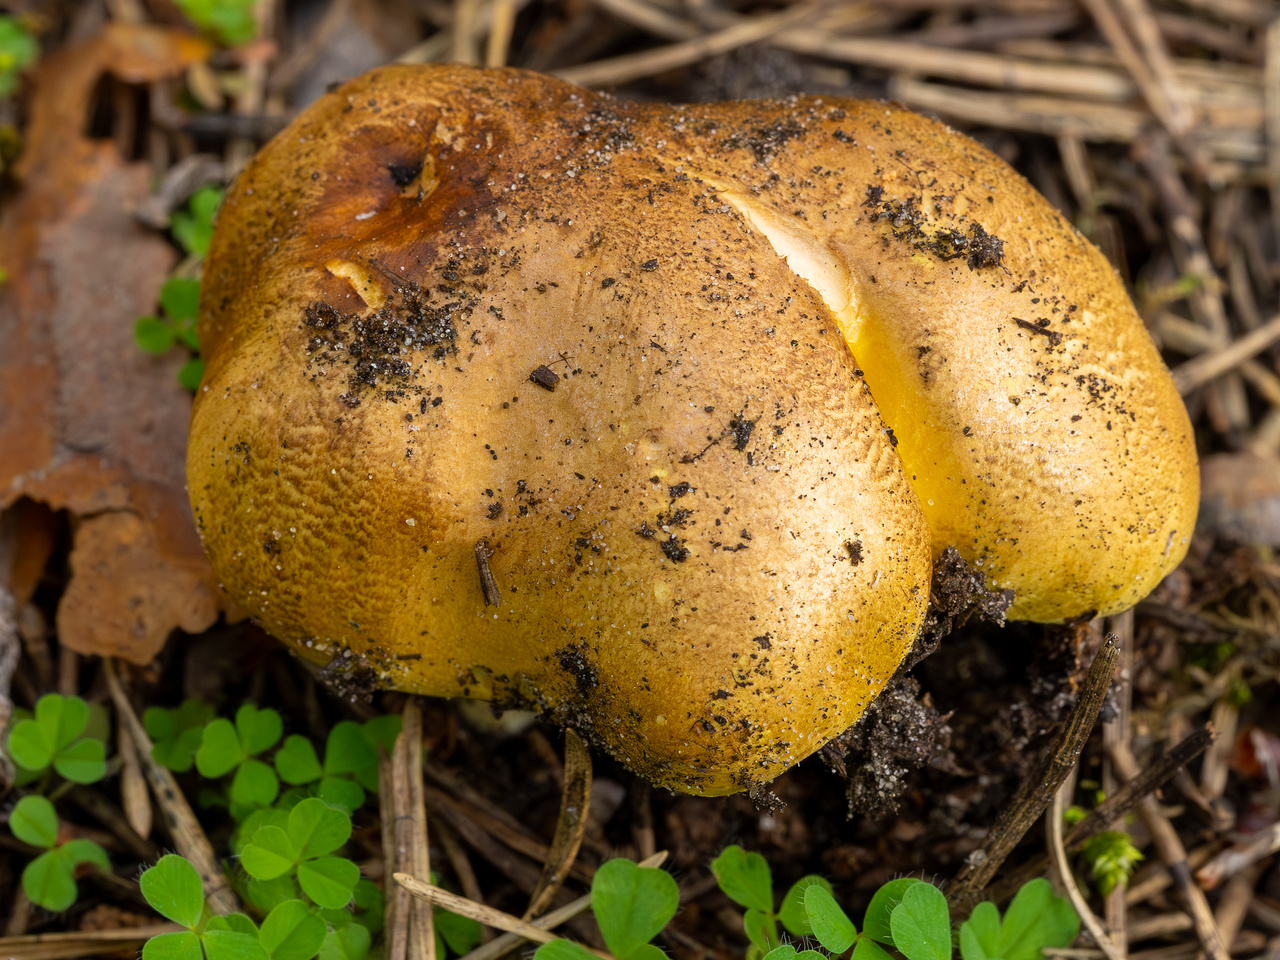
x: 179, y: 299
x: 193, y: 227
x: 301, y: 847
x: 191, y: 373
x: 350, y: 766
x: 746, y: 879
x: 1112, y: 858
x: 1035, y: 920
x: 54, y: 737
x: 50, y: 879
x: 18, y: 50
x: 230, y: 21
x: 173, y: 889
x: 225, y: 748
x: 176, y: 734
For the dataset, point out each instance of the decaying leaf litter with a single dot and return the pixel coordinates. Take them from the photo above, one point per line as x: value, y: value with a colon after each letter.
x: 1154, y: 126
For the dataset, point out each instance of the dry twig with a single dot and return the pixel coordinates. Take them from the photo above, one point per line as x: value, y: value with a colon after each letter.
x: 1039, y: 788
x: 1174, y: 855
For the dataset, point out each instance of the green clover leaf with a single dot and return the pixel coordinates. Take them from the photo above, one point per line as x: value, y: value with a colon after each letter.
x: 271, y: 854
x: 53, y: 738
x: 50, y: 879
x: 792, y: 912
x: 563, y: 950
x: 296, y: 761
x: 259, y: 730
x: 180, y: 298
x: 292, y: 932
x: 921, y: 925
x: 346, y: 943
x: 632, y: 904
x: 220, y: 750
x: 176, y: 734
x: 875, y: 924
x: 328, y: 881
x: 193, y: 227
x: 183, y: 945
x: 223, y: 944
x: 461, y: 934
x: 831, y: 926
x: 980, y: 934
x: 18, y: 50
x: 173, y: 889
x: 745, y: 878
x: 1036, y: 919
x: 34, y: 821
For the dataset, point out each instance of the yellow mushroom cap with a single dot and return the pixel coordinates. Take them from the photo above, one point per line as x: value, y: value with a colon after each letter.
x: 520, y: 393
x: 1037, y: 422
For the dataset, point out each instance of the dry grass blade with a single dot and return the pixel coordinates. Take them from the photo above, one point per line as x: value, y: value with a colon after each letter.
x: 411, y: 933
x: 133, y: 785
x: 500, y: 30
x: 1200, y: 370
x: 520, y: 871
x: 1058, y: 854
x: 1053, y: 116
x: 575, y: 808
x: 429, y: 893
x: 994, y: 70
x: 422, y: 939
x: 66, y: 946
x: 1234, y: 859
x: 1115, y: 730
x: 1157, y: 95
x: 391, y: 896
x: 636, y: 65
x: 509, y: 941
x: 466, y: 30
x: 650, y: 17
x: 188, y: 837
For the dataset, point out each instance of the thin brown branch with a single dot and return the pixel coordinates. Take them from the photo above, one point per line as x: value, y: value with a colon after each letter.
x: 1038, y: 788
x: 65, y: 946
x: 1174, y: 855
x: 1156, y: 775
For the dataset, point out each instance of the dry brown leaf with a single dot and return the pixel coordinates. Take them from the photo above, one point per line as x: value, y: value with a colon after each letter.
x: 1240, y: 498
x: 88, y: 422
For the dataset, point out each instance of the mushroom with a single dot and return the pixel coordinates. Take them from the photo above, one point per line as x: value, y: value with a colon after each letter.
x: 655, y: 417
